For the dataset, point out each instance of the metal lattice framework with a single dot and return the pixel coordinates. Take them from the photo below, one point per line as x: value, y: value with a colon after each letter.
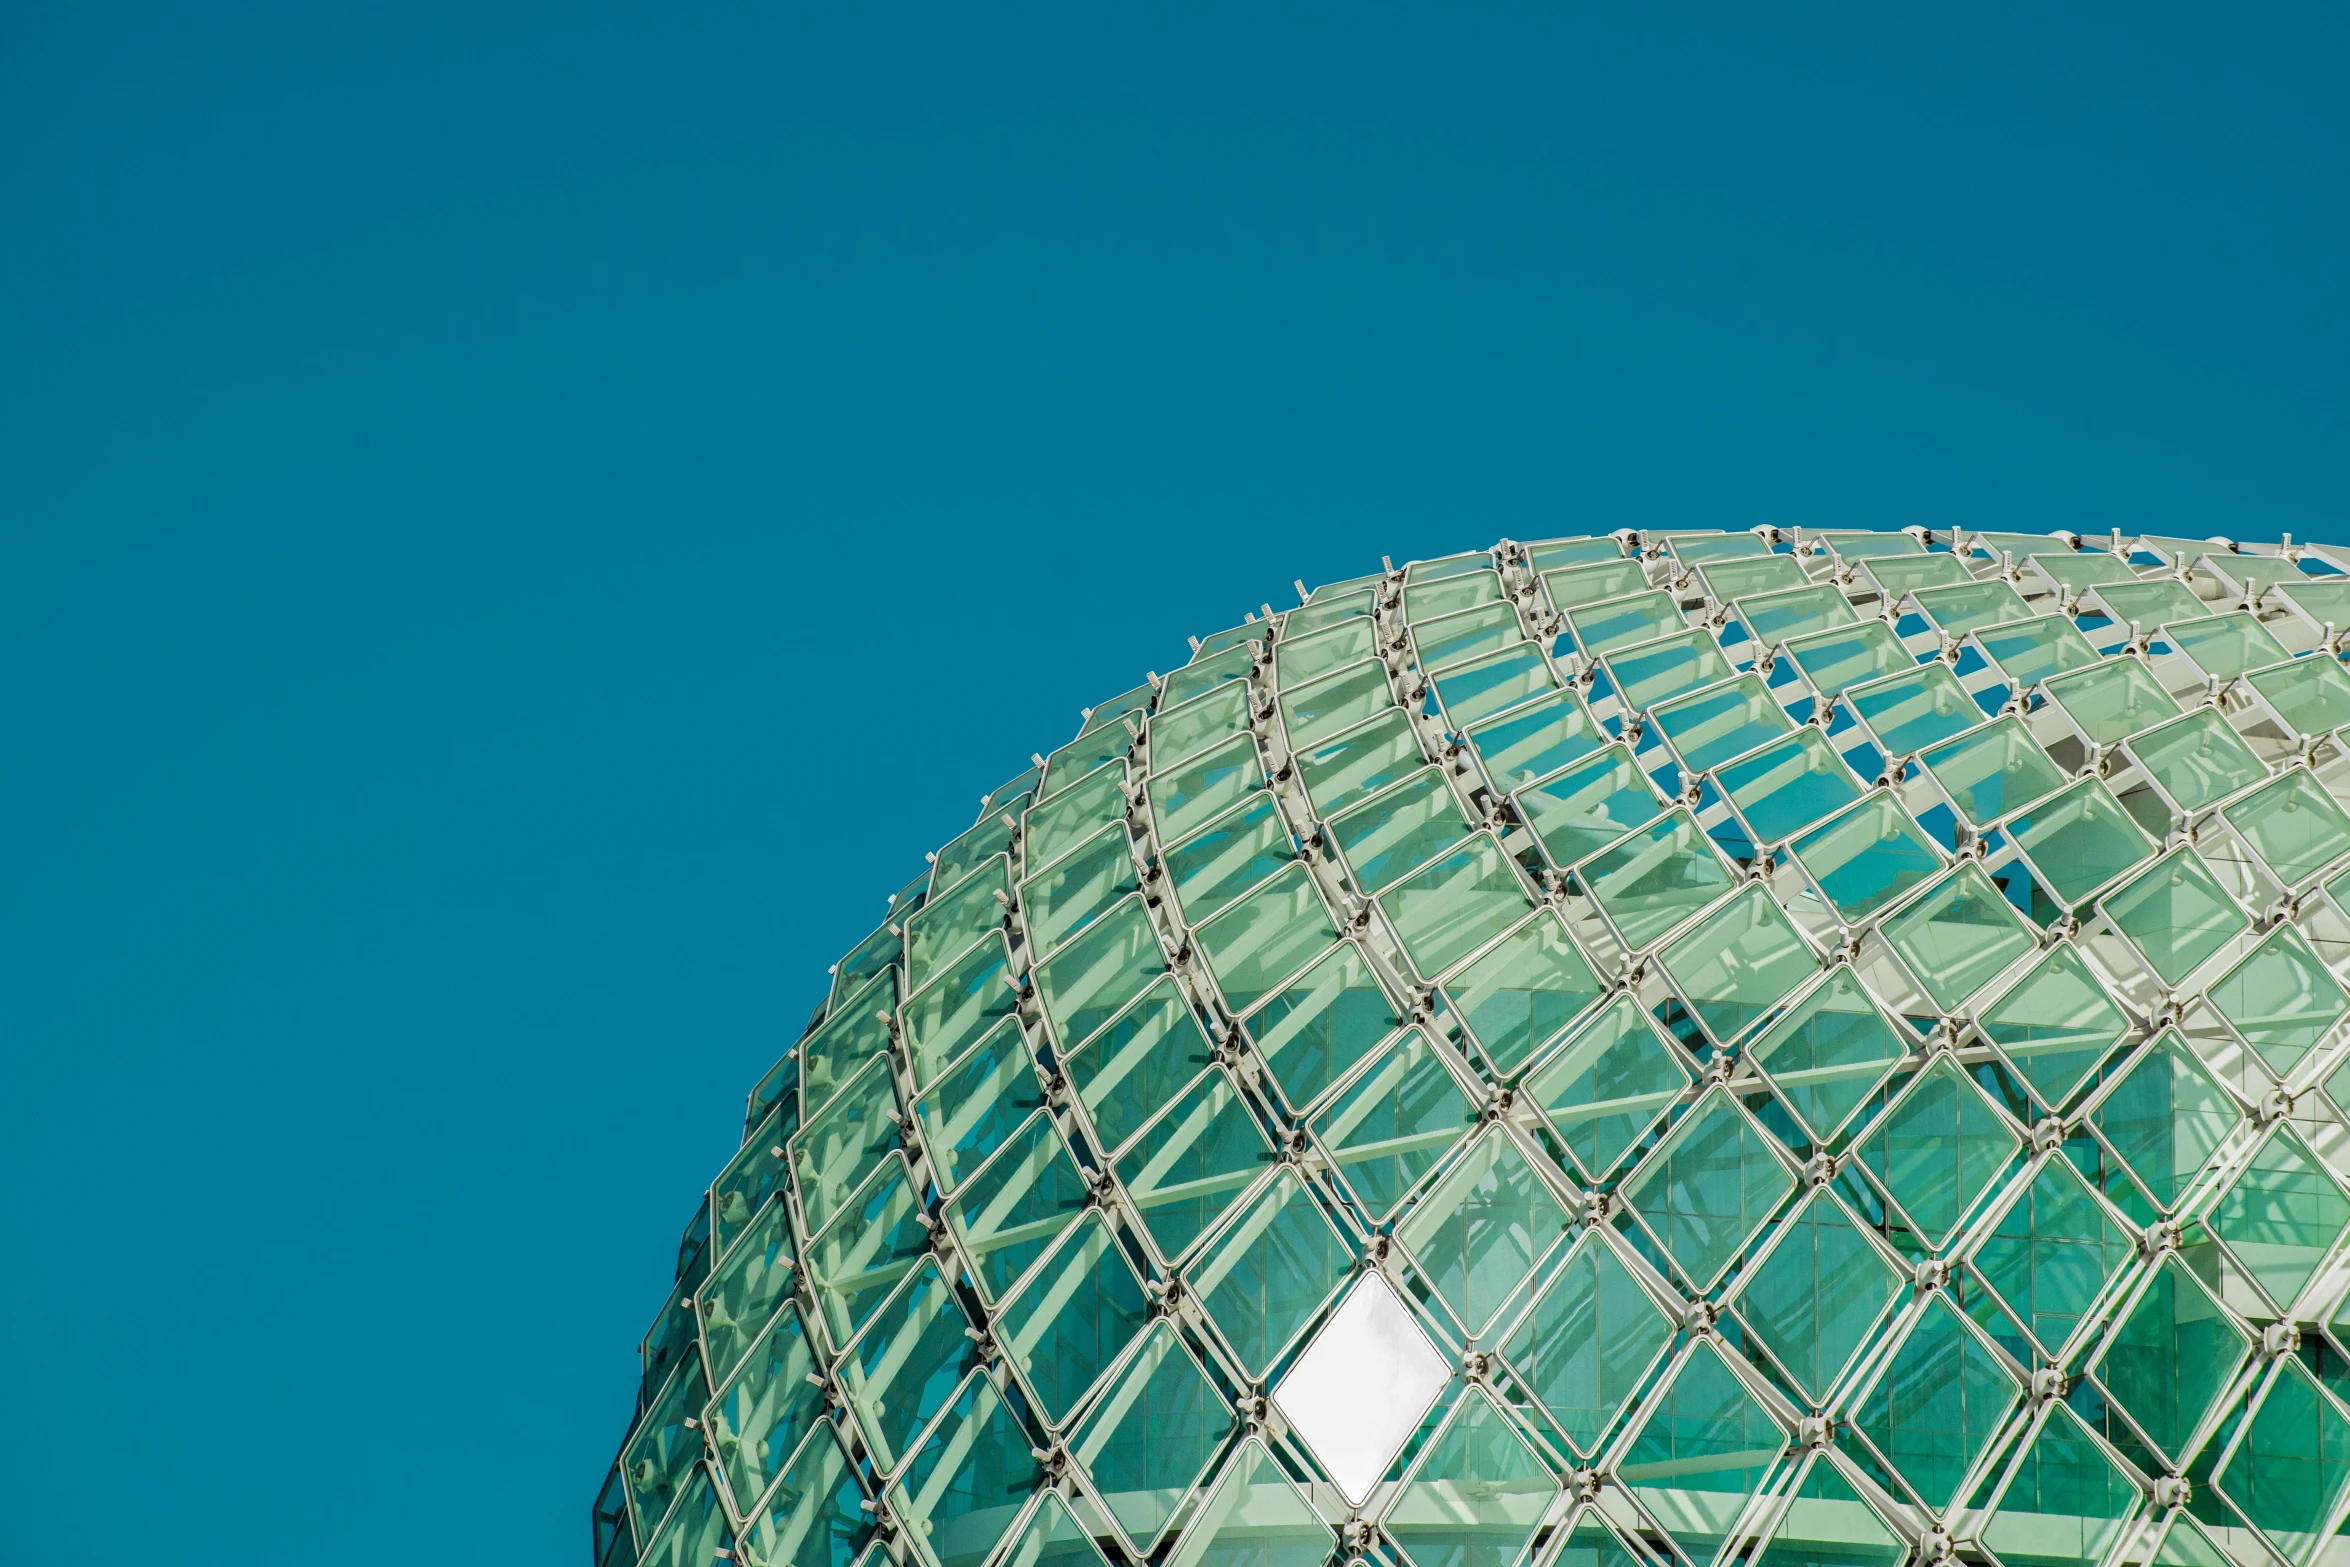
x: 1654, y: 1049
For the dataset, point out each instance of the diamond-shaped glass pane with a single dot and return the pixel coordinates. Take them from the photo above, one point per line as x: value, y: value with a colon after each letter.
x: 2054, y: 1024
x: 1826, y: 1524
x: 1814, y: 1299
x: 2080, y: 840
x: 1587, y: 1342
x: 1608, y: 1084
x: 2197, y: 759
x: 1152, y: 1436
x: 1271, y: 1271
x: 1523, y: 991
x: 1738, y: 964
x: 2116, y: 698
x: 1867, y: 857
x: 1937, y: 1404
x: 1786, y: 787
x: 1706, y: 1189
x: 1075, y: 1316
x: 1702, y: 1451
x: 1479, y: 1232
x: 2281, y: 999
x: 1584, y: 807
x: 1937, y: 1148
x: 2065, y: 1503
x: 1362, y: 1383
x: 1829, y: 1053
x: 1388, y: 1127
x: 1254, y: 1516
x: 2051, y: 1252
x: 1315, y: 1029
x: 967, y: 1480
x: 1192, y: 1163
x: 2165, y: 1117
x: 2294, y: 826
x: 1993, y: 771
x: 1475, y: 1495
x: 2176, y: 915
x: 2174, y: 1351
x: 2288, y: 1471
x: 2281, y: 1215
x: 1656, y: 878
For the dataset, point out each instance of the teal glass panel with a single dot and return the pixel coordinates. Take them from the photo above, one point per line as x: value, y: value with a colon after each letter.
x: 976, y: 1104
x: 1100, y: 748
x: 751, y: 1177
x: 1136, y: 702
x: 1583, y: 808
x: 1360, y: 762
x: 1008, y: 1213
x: 944, y: 928
x: 2165, y: 1118
x: 1691, y: 549
x: 1911, y: 711
x: 1393, y: 834
x: 1314, y: 1030
x: 815, y: 1516
x: 1622, y: 622
x: 1183, y: 732
x: 2225, y: 645
x: 1224, y: 859
x: 1388, y: 1127
x: 1266, y: 937
x: 1073, y: 1318
x: 844, y: 1143
x: 1586, y: 1344
x: 1786, y: 787
x: 1254, y: 1517
x: 1190, y: 792
x: 1085, y: 983
x: 2281, y: 1215
x: 1992, y: 771
x: 2080, y: 841
x: 2078, y: 573
x: 1449, y: 909
x: 1958, y: 935
x: 1522, y: 992
x: 2066, y: 1504
x: 1548, y: 554
x: 2197, y: 759
x: 2280, y: 999
x: 1481, y: 1231
x: 1051, y: 829
x: 1720, y: 722
x: 1203, y: 674
x: 2054, y: 1025
x: 1898, y: 574
x: 2175, y: 1350
x: 1656, y: 877
x: 1869, y: 545
x: 946, y: 1017
x: 1830, y: 1053
x: 1834, y: 661
x: 1814, y: 1300
x: 907, y: 1363
x: 1708, y: 1187
x: 1074, y: 891
x: 856, y: 1032
x: 2312, y: 695
x: 1937, y: 1148
x: 1052, y: 1537
x: 1272, y: 1271
x: 695, y: 1534
x: 1653, y: 672
x: 967, y: 1481
x: 1867, y: 858
x: 1771, y: 618
x: 1826, y: 1524
x: 1451, y: 639
x: 853, y: 1262
x: 1306, y: 656
x: 1958, y: 610
x: 1535, y: 740
x: 1153, y: 1436
x: 2293, y: 825
x: 2050, y: 1254
x: 1593, y: 583
x: 1738, y: 964
x: 1611, y: 1080
x: 1495, y: 683
x: 1476, y: 1494
x: 1701, y: 1453
x: 2115, y: 699
x: 764, y: 1409
x: 2287, y: 1474
x: 2147, y: 604
x: 1734, y: 579
x: 1135, y: 1064
x: 2030, y: 651
x: 991, y: 836
x: 2176, y: 915
x: 1193, y: 1162
x: 1340, y: 701
x: 1934, y: 1409
x: 664, y: 1455
x: 1427, y: 600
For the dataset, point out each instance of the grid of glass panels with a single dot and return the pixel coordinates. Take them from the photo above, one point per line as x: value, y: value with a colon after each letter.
x: 1663, y: 1049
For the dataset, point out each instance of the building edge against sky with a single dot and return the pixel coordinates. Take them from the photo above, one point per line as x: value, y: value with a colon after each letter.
x: 1656, y: 1048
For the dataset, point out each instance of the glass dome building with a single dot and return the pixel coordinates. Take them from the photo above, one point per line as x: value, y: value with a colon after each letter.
x: 1639, y: 1051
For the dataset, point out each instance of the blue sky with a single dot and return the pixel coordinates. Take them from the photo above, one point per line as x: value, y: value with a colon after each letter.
x: 519, y: 527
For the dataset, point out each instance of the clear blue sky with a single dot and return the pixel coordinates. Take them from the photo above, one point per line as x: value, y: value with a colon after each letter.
x: 517, y: 529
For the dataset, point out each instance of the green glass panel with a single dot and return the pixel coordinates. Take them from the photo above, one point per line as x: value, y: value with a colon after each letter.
x: 1255, y: 1517
x: 1495, y: 683
x: 1591, y: 584
x: 2165, y: 1118
x: 1608, y: 1084
x: 2065, y: 1504
x: 1771, y: 618
x: 1428, y: 600
x: 1332, y: 603
x: 2148, y: 604
x: 1829, y: 1053
x: 2326, y: 600
x: 2054, y: 1025
x: 1204, y: 673
x: 1183, y: 732
x: 2281, y: 1215
x: 1908, y: 712
x: 1866, y: 545
x: 1447, y: 910
x: 907, y: 1363
x: 946, y: 1017
x: 839, y: 1147
x: 1657, y: 877
x: 1085, y: 983
x: 2078, y: 573
x: 1075, y: 889
x: 2115, y: 699
x: 1937, y: 1404
x: 1591, y: 1543
x: 1136, y: 701
x: 1304, y: 657
x: 1450, y: 639
x: 1189, y: 793
x: 1013, y: 1208
x: 1069, y: 818
x: 1193, y: 1162
x: 1360, y: 762
x: 853, y: 1262
x: 1868, y: 857
x: 1938, y: 1147
x: 1691, y: 549
x: 1586, y: 1344
x: 2185, y: 1544
x: 1395, y: 1121
x: 1271, y: 1272
x: 1899, y: 574
x: 1734, y: 579
x: 2312, y: 695
x: 1788, y: 786
x: 2080, y: 840
x: 1826, y: 1523
x: 751, y: 1177
x: 1547, y: 554
x: 696, y: 1531
x: 963, y: 856
x: 1340, y: 701
x: 1584, y: 807
x: 1266, y: 937
x: 1814, y: 1299
x: 2281, y: 999
x: 2032, y: 650
x: 1480, y: 1232
x: 2287, y: 1474
x: 1958, y: 610
x: 815, y: 1515
x: 664, y: 1454
x: 1224, y: 859
x: 1991, y: 771
x: 1313, y: 1030
x: 967, y: 1481
x: 856, y: 1032
x: 1152, y: 1436
x: 1720, y: 722
x: 1700, y: 1455
x: 1135, y: 1064
x: 1052, y: 1537
x: 2173, y: 1353
x: 2051, y: 1252
x: 1958, y: 935
x: 1100, y: 748
x: 1535, y: 740
x: 1073, y: 1318
x: 2197, y: 759
x: 1738, y: 963
x: 1834, y: 661
x: 2176, y: 915
x: 2293, y: 825
x: 1393, y: 834
x: 1522, y: 992
x: 976, y: 1104
x: 1654, y: 671
x: 1476, y: 1494
x: 1706, y: 1189
x: 2225, y: 645
x: 1623, y: 622
x: 944, y: 928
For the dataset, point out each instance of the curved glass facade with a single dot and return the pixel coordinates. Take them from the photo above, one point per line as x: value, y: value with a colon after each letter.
x: 1653, y: 1049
